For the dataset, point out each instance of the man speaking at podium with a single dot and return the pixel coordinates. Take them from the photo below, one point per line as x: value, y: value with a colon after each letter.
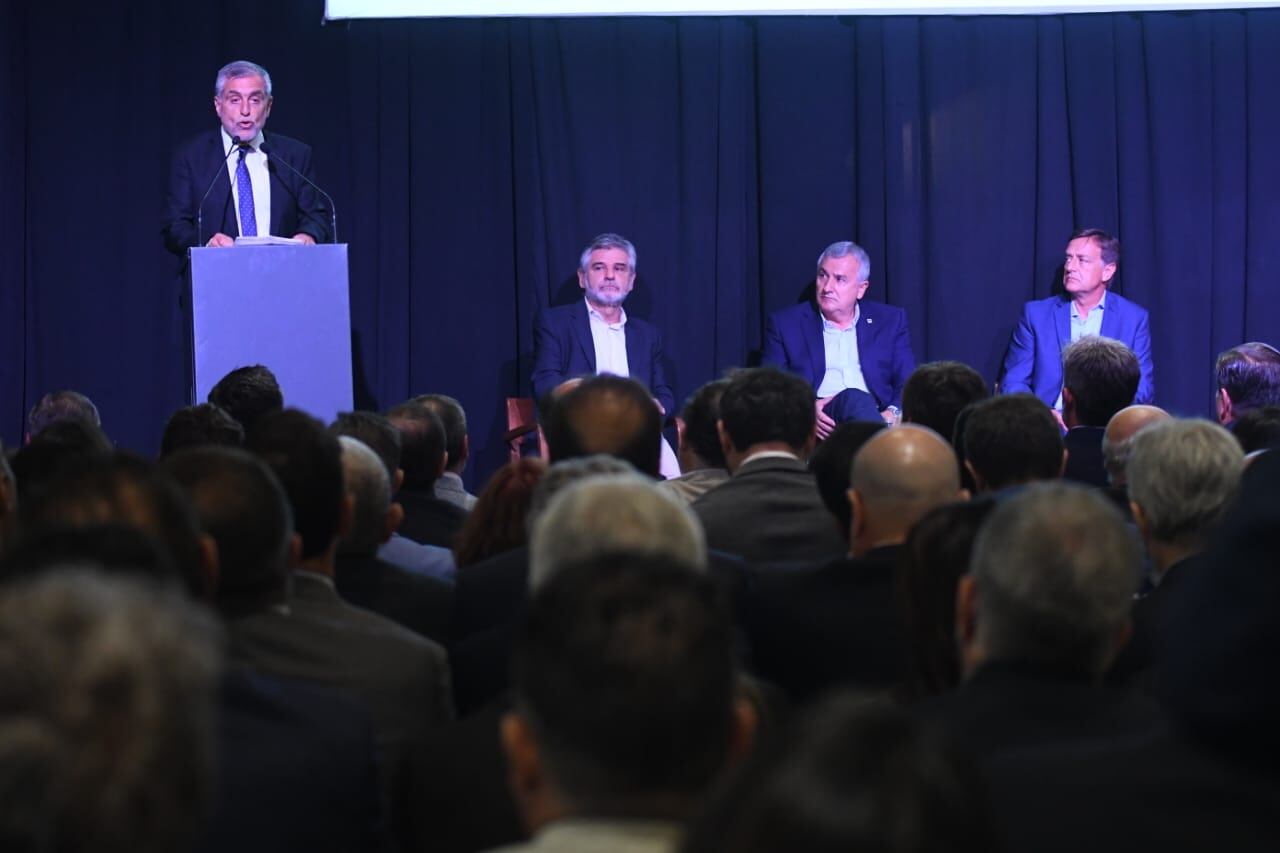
x: 239, y: 182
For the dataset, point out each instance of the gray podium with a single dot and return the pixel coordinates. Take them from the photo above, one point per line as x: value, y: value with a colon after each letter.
x: 282, y: 306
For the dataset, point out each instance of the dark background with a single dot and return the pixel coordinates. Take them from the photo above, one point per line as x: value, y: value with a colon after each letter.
x: 471, y: 160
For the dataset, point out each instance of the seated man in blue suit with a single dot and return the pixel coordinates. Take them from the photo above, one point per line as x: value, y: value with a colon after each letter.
x: 1033, y: 362
x: 856, y: 354
x: 596, y: 335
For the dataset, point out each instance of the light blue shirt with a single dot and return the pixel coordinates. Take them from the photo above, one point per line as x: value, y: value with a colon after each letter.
x: 1082, y: 328
x: 430, y: 560
x: 844, y: 370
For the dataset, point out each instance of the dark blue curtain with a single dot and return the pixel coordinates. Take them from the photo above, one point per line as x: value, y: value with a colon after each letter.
x: 472, y: 159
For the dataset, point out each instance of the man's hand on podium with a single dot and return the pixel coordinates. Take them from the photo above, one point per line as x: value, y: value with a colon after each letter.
x: 303, y: 237
x: 220, y: 241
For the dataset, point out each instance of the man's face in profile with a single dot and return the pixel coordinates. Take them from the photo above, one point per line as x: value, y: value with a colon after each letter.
x: 243, y: 106
x: 839, y: 286
x: 608, y: 277
x: 1084, y: 275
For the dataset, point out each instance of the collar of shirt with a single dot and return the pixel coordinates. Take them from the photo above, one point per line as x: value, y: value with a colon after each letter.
x: 769, y: 454
x: 1102, y: 303
x: 596, y: 315
x: 317, y: 577
x: 828, y: 326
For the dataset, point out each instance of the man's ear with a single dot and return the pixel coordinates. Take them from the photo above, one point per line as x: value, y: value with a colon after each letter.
x: 967, y: 622
x: 210, y: 566
x: 294, y: 549
x: 395, y: 517
x: 979, y: 485
x: 346, y: 515
x: 744, y: 724
x: 1062, y: 469
x: 1222, y: 401
x: 399, y: 481
x: 444, y: 461
x: 726, y: 443
x: 857, y: 515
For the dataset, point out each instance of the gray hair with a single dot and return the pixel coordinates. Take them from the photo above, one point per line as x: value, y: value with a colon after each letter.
x: 239, y: 68
x: 564, y: 474
x: 1183, y: 473
x: 1055, y: 568
x: 609, y: 513
x: 370, y: 489
x: 844, y: 249
x: 108, y: 687
x: 608, y: 241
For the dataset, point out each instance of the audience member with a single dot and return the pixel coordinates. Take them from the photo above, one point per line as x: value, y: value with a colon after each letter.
x: 938, y: 391
x: 852, y: 775
x: 803, y: 625
x: 457, y: 446
x: 194, y: 426
x: 428, y: 520
x: 621, y: 513
x: 936, y: 555
x: 1012, y: 440
x: 1182, y: 475
x: 62, y: 444
x: 1099, y: 378
x: 247, y: 394
x: 421, y: 604
x: 498, y: 521
x: 1117, y: 441
x: 1248, y: 377
x: 769, y: 510
x: 831, y: 462
x: 107, y: 689
x: 1258, y: 429
x: 702, y: 461
x: 605, y: 414
x: 381, y: 436
x: 61, y: 406
x: 632, y: 644
x: 1040, y: 616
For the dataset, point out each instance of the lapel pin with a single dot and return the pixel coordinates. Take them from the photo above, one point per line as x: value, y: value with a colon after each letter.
x: 870, y: 321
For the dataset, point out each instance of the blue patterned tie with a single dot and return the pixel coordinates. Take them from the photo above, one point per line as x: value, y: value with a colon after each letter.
x: 244, y: 188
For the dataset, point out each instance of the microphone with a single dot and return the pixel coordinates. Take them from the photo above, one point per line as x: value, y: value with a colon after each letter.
x: 235, y: 144
x: 333, y: 210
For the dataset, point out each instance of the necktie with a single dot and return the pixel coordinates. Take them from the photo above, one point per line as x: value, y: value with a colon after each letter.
x: 244, y: 188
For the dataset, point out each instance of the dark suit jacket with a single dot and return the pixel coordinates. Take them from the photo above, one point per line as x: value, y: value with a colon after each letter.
x: 563, y: 349
x: 1085, y: 463
x: 295, y: 206
x: 1033, y: 361
x: 793, y: 342
x: 769, y: 511
x: 296, y: 770
x: 1137, y: 661
x: 422, y: 604
x: 836, y: 624
x: 428, y: 520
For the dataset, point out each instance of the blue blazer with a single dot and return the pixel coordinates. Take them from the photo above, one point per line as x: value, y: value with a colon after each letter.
x: 563, y: 349
x: 1034, y: 360
x: 793, y: 342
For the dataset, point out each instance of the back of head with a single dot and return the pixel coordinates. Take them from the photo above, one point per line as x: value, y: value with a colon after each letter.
x: 1250, y: 374
x: 498, y: 521
x: 112, y: 547
x: 608, y: 514
x: 606, y: 414
x: 1182, y: 474
x: 624, y: 671
x: 106, y: 740
x: 1258, y: 429
x: 121, y: 488
x: 852, y: 774
x: 61, y: 406
x: 1117, y: 441
x: 1102, y: 377
x: 242, y: 505
x: 248, y: 393
x: 899, y: 475
x: 308, y: 463
x: 62, y: 444
x: 376, y: 432
x: 562, y: 475
x: 194, y: 426
x: 1055, y: 569
x: 422, y: 443
x: 936, y: 393
x: 700, y: 413
x: 832, y: 462
x: 1012, y: 439
x: 454, y: 419
x: 370, y: 489
x: 765, y: 405
x: 934, y: 558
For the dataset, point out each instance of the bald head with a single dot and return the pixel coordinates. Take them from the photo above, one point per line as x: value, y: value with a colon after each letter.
x: 897, y: 477
x: 1117, y: 440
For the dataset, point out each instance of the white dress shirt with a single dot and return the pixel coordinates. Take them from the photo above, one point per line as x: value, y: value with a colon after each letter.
x: 256, y: 162
x: 610, y: 341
